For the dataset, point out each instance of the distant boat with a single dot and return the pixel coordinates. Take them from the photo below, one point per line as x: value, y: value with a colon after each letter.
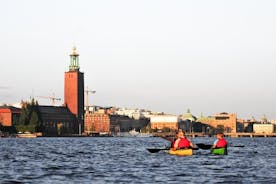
x: 133, y: 132
x: 26, y: 135
x: 145, y: 135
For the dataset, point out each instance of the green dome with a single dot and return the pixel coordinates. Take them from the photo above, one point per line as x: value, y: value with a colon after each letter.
x: 188, y: 116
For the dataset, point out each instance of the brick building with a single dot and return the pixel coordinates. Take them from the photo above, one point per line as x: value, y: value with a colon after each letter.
x: 96, y: 123
x: 104, y: 122
x: 57, y: 121
x: 74, y: 89
x: 222, y: 122
x: 9, y: 115
x: 68, y: 119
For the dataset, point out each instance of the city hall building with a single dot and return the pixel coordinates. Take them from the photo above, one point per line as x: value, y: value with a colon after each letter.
x: 67, y: 119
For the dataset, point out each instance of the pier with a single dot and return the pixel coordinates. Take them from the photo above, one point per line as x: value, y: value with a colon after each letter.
x: 243, y: 134
x: 201, y: 134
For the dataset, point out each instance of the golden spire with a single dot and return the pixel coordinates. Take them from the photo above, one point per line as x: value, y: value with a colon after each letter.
x: 75, y: 51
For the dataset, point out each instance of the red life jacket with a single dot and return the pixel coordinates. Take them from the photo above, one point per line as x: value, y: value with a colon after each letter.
x: 184, y: 143
x: 172, y: 145
x: 221, y: 143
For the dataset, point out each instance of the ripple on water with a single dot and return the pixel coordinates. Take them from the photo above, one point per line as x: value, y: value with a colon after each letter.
x: 126, y: 160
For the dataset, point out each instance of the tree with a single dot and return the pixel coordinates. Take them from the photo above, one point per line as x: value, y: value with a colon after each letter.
x: 34, y: 118
x: 29, y: 118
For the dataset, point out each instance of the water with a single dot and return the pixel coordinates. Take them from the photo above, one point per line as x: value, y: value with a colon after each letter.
x: 126, y: 160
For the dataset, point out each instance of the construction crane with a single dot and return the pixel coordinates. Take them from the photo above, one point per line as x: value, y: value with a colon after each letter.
x: 87, y: 96
x: 52, y: 98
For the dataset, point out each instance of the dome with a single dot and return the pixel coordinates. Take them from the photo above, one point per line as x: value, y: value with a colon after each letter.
x: 188, y: 116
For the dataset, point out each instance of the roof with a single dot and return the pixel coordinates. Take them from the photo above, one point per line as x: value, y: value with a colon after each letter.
x: 188, y: 116
x: 12, y: 109
x: 56, y: 114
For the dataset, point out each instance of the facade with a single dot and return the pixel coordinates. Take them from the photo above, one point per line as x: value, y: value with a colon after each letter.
x: 96, y: 123
x: 57, y: 121
x: 74, y: 88
x: 263, y: 128
x: 125, y: 124
x: 9, y: 115
x: 222, y: 122
x: 164, y: 121
x: 134, y: 113
x: 104, y: 122
x: 273, y: 121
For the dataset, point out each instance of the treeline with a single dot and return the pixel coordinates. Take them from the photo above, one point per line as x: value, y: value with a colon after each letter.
x: 29, y: 118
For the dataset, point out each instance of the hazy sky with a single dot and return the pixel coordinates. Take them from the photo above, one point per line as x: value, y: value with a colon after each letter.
x: 209, y: 56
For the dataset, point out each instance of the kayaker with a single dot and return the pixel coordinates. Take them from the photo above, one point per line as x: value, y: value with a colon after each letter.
x: 220, y: 142
x: 182, y: 142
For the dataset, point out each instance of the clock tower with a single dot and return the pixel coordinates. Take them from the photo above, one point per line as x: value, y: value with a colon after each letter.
x: 74, y: 89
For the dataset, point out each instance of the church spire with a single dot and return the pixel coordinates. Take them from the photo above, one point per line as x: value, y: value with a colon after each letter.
x: 74, y: 60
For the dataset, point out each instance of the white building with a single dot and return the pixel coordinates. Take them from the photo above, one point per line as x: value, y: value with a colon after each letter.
x: 263, y: 128
x: 164, y: 121
x: 134, y: 113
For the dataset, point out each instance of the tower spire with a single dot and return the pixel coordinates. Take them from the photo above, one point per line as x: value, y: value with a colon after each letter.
x: 74, y: 60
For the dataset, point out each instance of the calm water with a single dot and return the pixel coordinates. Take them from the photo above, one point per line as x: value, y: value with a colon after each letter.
x: 126, y: 160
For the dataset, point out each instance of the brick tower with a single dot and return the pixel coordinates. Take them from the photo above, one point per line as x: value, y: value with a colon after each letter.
x: 74, y: 89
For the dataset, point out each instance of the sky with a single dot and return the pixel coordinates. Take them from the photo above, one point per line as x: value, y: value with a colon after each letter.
x: 168, y: 56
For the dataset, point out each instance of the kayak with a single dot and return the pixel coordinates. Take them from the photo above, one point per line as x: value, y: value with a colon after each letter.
x: 219, y: 151
x: 181, y: 152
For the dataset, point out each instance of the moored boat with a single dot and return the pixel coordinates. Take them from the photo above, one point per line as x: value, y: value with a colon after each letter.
x: 181, y: 152
x: 26, y: 135
x: 144, y: 135
x: 219, y: 151
x: 133, y: 132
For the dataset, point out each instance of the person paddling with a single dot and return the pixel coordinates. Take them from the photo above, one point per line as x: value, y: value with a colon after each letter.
x: 220, y: 142
x: 182, y: 142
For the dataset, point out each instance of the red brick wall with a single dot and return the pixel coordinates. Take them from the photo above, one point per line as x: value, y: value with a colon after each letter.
x: 74, y: 92
x: 6, y: 117
x: 71, y: 91
x: 96, y: 123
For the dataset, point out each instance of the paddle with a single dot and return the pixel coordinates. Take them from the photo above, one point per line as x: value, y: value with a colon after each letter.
x: 156, y: 150
x: 238, y: 146
x: 209, y: 146
x: 204, y: 146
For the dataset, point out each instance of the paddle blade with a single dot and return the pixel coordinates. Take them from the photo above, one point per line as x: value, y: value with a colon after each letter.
x: 204, y: 146
x: 238, y: 146
x: 156, y: 150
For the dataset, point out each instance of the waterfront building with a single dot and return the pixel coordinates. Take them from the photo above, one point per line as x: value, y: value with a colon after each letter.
x: 74, y: 89
x: 9, y: 115
x: 188, y: 123
x: 57, y: 121
x: 246, y: 125
x: 263, y: 128
x: 222, y: 122
x: 134, y: 113
x: 160, y: 122
x: 125, y: 124
x: 68, y: 119
x: 102, y: 121
x: 273, y: 121
x: 97, y: 122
